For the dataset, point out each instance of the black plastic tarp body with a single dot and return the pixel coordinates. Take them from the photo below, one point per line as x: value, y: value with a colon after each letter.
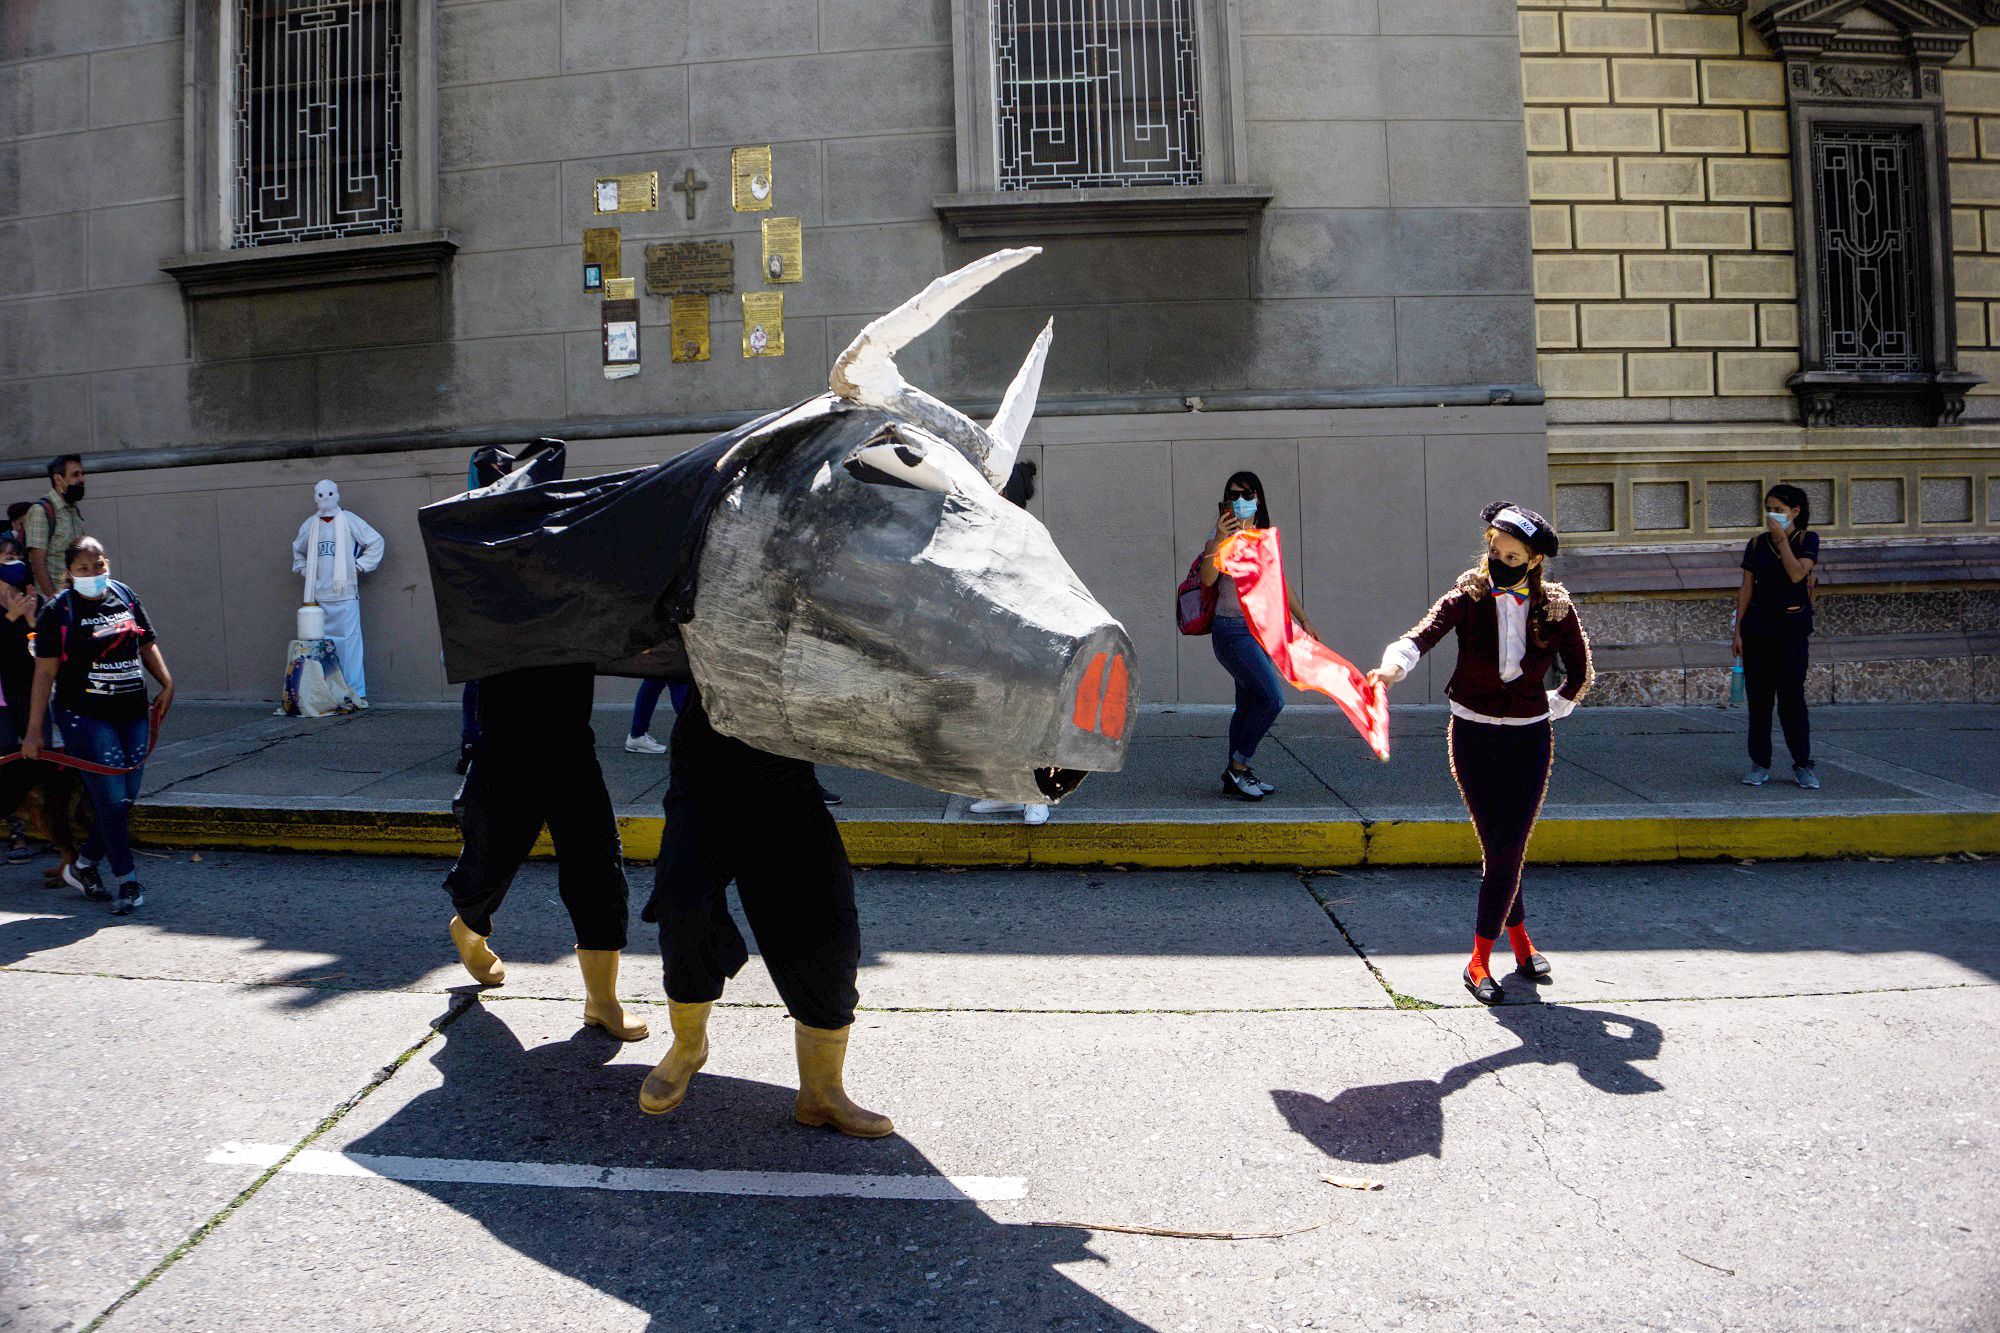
x: 596, y: 570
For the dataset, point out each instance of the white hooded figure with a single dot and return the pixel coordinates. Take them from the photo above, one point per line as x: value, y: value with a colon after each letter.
x: 333, y: 550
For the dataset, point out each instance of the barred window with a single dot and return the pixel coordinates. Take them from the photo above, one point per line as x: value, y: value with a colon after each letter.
x: 1872, y: 248
x: 318, y: 109
x: 1096, y: 93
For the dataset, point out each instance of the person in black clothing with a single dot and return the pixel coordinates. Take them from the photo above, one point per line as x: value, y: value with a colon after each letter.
x: 93, y: 646
x: 791, y: 871
x: 1513, y: 626
x: 1774, y: 621
x: 18, y: 608
x: 535, y: 763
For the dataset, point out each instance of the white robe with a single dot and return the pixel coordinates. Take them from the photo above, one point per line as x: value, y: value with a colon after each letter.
x: 335, y: 569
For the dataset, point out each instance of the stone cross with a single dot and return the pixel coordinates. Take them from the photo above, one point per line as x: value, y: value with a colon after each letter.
x: 690, y: 187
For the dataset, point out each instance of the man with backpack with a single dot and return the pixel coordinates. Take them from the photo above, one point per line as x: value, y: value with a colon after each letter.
x: 53, y: 522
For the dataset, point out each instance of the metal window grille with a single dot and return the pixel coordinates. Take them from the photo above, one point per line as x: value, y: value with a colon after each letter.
x: 1096, y: 92
x: 1871, y: 248
x: 318, y: 111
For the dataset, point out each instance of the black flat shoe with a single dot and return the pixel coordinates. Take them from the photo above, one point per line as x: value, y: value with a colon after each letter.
x: 1536, y: 968
x: 1486, y: 992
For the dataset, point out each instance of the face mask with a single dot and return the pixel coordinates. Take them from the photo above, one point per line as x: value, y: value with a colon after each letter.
x: 14, y: 574
x: 92, y: 586
x: 74, y: 494
x: 1784, y: 521
x: 1503, y: 574
x: 1245, y: 507
x: 326, y: 499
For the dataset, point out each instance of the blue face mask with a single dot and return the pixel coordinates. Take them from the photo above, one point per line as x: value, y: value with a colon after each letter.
x: 1783, y: 520
x: 1245, y: 507
x: 92, y: 586
x: 14, y: 574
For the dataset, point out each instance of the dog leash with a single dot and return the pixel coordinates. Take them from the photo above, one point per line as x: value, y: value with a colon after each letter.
x: 64, y: 759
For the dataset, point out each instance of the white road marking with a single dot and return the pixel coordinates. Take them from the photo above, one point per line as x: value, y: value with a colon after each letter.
x: 654, y: 1180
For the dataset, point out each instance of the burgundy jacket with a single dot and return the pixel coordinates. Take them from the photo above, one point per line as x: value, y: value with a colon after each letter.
x: 1475, y: 683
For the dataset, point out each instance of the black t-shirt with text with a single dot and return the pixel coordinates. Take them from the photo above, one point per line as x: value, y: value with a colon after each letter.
x: 1776, y: 602
x: 98, y: 644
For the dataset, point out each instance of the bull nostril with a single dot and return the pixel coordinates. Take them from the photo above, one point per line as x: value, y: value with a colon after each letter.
x: 1115, y: 688
x: 1084, y: 715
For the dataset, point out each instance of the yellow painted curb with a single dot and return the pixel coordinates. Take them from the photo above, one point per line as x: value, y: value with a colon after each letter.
x: 1163, y: 844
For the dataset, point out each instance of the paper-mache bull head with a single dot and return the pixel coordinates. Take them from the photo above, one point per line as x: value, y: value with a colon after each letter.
x: 842, y: 580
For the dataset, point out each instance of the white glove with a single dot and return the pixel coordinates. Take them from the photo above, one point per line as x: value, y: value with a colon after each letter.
x: 1560, y: 707
x: 1397, y: 659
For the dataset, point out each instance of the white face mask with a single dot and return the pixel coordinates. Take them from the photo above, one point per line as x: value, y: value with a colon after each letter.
x: 1783, y: 520
x: 92, y: 586
x: 326, y: 499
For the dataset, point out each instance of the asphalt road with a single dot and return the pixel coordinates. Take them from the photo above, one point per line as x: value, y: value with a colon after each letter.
x: 1754, y: 1097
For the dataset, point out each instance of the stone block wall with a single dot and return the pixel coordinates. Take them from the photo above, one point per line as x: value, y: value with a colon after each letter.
x: 1972, y: 130
x: 1660, y: 180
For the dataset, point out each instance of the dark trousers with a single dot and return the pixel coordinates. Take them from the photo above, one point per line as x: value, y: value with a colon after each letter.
x: 784, y: 851
x: 535, y: 764
x: 1503, y: 774
x: 1260, y: 695
x: 468, y: 713
x: 1774, y: 669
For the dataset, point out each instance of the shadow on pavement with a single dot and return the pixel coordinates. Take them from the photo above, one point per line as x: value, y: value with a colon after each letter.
x: 1393, y: 1122
x: 711, y: 1261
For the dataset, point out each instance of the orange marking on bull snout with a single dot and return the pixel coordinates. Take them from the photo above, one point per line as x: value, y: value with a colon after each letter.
x: 1087, y: 691
x: 1114, y: 699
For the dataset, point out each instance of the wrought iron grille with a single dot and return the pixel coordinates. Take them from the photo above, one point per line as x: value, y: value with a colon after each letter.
x: 1096, y: 92
x: 1871, y: 248
x: 318, y: 110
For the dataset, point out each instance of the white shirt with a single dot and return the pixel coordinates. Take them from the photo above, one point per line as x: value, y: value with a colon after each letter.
x: 1402, y: 655
x: 333, y: 582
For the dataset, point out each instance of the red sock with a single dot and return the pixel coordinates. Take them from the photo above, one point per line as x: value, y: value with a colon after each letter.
x: 1482, y: 956
x: 1523, y: 946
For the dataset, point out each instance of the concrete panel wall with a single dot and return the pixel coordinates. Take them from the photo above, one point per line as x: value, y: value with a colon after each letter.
x: 1378, y: 511
x: 1395, y: 252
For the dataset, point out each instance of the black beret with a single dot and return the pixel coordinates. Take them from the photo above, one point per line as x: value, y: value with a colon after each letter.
x: 1525, y: 523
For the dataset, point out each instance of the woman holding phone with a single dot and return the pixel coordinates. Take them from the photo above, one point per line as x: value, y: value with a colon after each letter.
x: 1259, y: 696
x: 1774, y: 623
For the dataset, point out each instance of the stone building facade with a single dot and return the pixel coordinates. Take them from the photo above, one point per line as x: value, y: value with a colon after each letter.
x: 1326, y: 279
x: 1689, y: 208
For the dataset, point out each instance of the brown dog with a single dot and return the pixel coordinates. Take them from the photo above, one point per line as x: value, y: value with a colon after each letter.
x: 51, y: 803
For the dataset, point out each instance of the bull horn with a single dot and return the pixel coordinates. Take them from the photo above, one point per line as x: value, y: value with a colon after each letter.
x: 1017, y: 409
x: 866, y: 373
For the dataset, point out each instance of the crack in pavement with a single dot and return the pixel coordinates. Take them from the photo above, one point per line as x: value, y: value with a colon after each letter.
x: 460, y: 1005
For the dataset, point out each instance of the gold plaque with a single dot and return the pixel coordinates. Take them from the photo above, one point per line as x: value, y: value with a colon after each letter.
x: 687, y: 320
x: 784, y: 250
x: 690, y: 268
x: 750, y: 179
x: 636, y: 193
x: 621, y: 289
x: 600, y: 257
x: 763, y: 323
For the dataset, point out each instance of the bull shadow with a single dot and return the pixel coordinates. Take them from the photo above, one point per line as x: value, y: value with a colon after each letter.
x: 1385, y: 1123
x: 716, y: 1261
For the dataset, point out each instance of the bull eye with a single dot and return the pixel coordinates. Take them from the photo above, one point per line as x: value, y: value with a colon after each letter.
x: 889, y: 459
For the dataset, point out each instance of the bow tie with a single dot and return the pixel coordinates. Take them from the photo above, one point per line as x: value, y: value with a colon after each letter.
x: 1519, y: 592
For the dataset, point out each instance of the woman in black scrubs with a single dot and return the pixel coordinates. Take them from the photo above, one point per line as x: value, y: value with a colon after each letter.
x: 1774, y: 621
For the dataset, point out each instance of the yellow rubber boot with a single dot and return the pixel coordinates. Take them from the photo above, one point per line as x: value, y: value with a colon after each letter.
x: 600, y: 988
x: 484, y: 965
x: 823, y: 1099
x: 667, y: 1086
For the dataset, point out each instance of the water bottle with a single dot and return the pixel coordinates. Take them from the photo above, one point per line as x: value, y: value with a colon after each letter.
x: 1735, y: 672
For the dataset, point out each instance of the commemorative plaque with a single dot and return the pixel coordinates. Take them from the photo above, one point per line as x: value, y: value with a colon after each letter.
x: 690, y: 268
x: 687, y: 322
x: 784, y: 250
x: 600, y: 257
x: 636, y: 193
x: 763, y: 323
x: 750, y: 179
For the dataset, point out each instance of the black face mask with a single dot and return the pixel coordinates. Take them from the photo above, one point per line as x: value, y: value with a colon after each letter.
x: 1503, y: 574
x: 73, y: 492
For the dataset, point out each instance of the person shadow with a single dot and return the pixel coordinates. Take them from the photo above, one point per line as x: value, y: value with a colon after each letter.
x: 708, y: 1261
x: 1384, y: 1123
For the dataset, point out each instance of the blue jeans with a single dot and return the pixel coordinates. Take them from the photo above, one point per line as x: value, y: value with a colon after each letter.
x: 1259, y: 691
x: 468, y: 713
x: 115, y: 745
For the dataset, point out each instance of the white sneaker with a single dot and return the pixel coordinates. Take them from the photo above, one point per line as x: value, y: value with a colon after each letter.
x: 643, y: 745
x: 996, y: 808
x: 1035, y: 814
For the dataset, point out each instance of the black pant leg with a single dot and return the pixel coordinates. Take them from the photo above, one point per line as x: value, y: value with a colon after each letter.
x: 1793, y: 654
x: 700, y: 946
x: 1503, y: 775
x: 590, y: 861
x: 499, y: 819
x: 1760, y: 691
x: 798, y: 891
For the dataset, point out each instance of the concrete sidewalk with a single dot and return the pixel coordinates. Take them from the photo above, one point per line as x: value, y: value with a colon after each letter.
x: 1641, y: 784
